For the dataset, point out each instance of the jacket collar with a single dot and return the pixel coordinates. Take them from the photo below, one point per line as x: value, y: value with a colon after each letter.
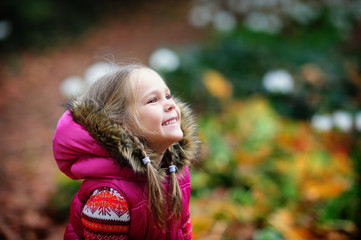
x: 124, y: 148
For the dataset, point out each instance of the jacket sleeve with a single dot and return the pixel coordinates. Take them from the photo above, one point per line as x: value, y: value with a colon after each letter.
x: 187, y: 228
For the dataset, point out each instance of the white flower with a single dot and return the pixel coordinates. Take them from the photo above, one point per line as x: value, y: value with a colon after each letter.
x: 355, y: 8
x: 239, y: 6
x: 200, y: 16
x: 339, y: 18
x: 5, y: 29
x: 224, y: 21
x: 96, y: 71
x: 164, y: 59
x: 342, y: 120
x: 71, y: 86
x: 265, y: 3
x: 260, y: 22
x: 278, y: 81
x: 303, y: 12
x: 322, y: 122
x: 358, y: 121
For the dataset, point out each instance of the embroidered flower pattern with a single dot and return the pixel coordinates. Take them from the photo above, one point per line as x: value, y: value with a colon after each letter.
x: 106, y: 214
x: 107, y: 202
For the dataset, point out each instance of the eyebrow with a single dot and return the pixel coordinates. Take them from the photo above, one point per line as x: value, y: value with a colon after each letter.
x: 154, y: 92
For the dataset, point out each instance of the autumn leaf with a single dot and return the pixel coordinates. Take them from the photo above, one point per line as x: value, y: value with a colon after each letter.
x: 284, y: 221
x: 217, y: 85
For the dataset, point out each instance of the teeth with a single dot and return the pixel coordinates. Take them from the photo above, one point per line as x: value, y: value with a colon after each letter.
x: 169, y: 122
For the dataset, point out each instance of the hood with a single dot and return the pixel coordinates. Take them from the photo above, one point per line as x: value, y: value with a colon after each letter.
x: 86, y: 132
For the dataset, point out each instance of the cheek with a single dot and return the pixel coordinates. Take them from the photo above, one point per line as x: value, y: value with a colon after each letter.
x: 150, y: 118
x: 178, y: 112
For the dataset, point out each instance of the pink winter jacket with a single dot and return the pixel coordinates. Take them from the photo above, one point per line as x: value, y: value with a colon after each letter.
x: 84, y: 148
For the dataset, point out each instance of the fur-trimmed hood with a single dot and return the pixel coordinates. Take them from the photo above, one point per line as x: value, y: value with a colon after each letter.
x: 118, y: 143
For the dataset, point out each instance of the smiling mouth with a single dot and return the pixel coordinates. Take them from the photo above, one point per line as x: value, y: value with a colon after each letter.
x: 170, y: 121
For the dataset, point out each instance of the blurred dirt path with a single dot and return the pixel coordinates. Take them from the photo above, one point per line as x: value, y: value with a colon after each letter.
x: 30, y: 105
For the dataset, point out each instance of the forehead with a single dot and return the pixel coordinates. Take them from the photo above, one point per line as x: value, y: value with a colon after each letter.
x: 148, y: 80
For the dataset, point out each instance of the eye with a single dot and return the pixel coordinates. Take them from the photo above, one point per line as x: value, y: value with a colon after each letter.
x: 168, y: 96
x: 153, y: 100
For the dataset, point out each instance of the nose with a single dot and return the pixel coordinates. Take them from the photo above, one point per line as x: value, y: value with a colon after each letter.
x: 170, y: 106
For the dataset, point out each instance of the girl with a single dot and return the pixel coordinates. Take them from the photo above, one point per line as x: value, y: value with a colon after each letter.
x: 132, y: 144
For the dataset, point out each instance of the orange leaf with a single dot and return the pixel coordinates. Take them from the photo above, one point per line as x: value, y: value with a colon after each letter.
x: 216, y: 84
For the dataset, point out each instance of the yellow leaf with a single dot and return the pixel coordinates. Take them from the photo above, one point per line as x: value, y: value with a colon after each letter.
x: 316, y: 189
x: 217, y: 85
x: 284, y: 221
x: 342, y: 163
x: 313, y: 74
x: 201, y: 225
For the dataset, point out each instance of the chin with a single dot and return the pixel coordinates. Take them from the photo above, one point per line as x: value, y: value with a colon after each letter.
x: 177, y: 137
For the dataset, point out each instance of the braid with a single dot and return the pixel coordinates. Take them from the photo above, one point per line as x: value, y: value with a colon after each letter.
x: 176, y: 204
x: 155, y: 195
x: 140, y: 144
x: 155, y: 190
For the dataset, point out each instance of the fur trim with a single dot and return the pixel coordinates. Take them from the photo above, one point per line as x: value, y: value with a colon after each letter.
x: 124, y: 147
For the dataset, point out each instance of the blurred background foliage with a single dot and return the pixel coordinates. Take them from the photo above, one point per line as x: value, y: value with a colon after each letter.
x: 275, y: 85
x: 42, y: 24
x: 277, y: 88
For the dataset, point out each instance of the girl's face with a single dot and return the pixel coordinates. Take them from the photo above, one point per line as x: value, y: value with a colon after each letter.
x: 159, y: 116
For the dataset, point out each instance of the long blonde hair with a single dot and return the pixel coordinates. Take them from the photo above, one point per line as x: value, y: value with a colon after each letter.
x: 115, y: 93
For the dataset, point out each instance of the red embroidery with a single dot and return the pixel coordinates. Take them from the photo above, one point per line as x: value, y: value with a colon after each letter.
x: 106, y: 202
x: 187, y: 230
x: 106, y: 216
